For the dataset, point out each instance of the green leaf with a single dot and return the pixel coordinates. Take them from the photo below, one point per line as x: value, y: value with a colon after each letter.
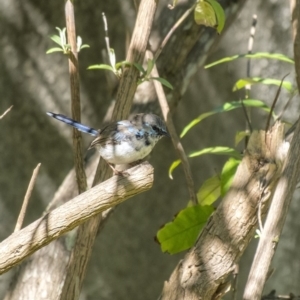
x: 182, y: 232
x: 212, y: 150
x: 223, y: 108
x: 55, y: 49
x: 210, y: 191
x: 240, y: 135
x: 122, y: 64
x: 140, y: 68
x: 219, y: 14
x: 150, y: 65
x: 56, y: 39
x: 277, y: 56
x: 79, y: 43
x: 227, y: 174
x: 112, y: 58
x: 267, y: 81
x: 174, y: 165
x: 84, y: 46
x: 204, y: 14
x: 102, y: 66
x: 163, y: 82
x: 218, y: 151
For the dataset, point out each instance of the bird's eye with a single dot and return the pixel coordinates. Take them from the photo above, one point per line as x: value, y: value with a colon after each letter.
x: 156, y: 129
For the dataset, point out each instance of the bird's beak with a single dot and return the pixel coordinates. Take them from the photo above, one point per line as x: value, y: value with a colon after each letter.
x: 165, y: 133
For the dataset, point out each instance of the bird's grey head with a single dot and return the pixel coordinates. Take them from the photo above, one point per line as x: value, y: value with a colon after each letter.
x: 152, y: 122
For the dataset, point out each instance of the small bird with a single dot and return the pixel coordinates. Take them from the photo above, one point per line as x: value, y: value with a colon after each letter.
x: 123, y: 142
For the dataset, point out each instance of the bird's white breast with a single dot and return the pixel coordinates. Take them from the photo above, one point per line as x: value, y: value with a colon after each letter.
x: 125, y: 152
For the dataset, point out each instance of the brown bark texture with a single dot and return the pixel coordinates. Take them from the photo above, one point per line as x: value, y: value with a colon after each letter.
x: 204, y: 270
x: 125, y: 255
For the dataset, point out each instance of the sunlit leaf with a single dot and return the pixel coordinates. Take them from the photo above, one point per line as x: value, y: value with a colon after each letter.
x: 56, y: 39
x: 174, y: 165
x: 223, y: 108
x: 182, y: 232
x: 140, y: 68
x: 219, y: 14
x: 84, y: 46
x: 112, y: 58
x: 163, y: 82
x: 102, y: 66
x: 277, y: 56
x: 240, y: 135
x: 204, y: 14
x: 150, y: 65
x: 217, y: 151
x: 212, y: 150
x: 79, y: 42
x: 55, y: 49
x: 122, y: 64
x: 267, y: 81
x: 227, y: 174
x: 209, y: 191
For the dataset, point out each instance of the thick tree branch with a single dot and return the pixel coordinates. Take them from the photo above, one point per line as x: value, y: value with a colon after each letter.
x: 204, y: 270
x: 127, y: 88
x: 282, y: 196
x: 75, y: 95
x: 189, y: 47
x: 110, y: 193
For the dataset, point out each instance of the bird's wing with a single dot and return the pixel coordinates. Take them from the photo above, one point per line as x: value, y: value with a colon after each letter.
x: 114, y: 133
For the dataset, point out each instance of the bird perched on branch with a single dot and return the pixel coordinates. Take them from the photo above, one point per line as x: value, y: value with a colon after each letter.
x: 123, y: 142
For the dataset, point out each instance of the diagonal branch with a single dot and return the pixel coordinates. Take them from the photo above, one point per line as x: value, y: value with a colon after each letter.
x: 282, y: 196
x: 38, y: 234
x: 204, y: 270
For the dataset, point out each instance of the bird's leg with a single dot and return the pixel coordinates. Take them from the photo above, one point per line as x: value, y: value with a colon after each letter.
x: 116, y: 172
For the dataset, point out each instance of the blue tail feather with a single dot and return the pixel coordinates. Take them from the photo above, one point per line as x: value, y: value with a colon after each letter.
x: 74, y: 123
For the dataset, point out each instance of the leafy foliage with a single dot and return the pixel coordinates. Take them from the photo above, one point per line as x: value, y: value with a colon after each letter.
x: 224, y: 108
x: 209, y: 191
x: 117, y: 69
x: 277, y: 56
x: 210, y: 13
x: 211, y: 150
x: 241, y: 83
x: 181, y: 233
x: 61, y: 40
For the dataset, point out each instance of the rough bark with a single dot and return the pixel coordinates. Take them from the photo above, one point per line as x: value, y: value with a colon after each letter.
x: 194, y: 45
x: 203, y: 272
x: 38, y: 234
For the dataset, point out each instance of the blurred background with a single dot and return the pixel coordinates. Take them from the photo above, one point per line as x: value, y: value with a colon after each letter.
x: 126, y: 262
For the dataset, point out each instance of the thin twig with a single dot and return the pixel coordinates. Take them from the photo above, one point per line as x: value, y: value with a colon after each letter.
x: 7, y: 111
x: 283, y: 194
x: 259, y: 215
x: 286, y: 106
x: 235, y: 281
x: 106, y: 34
x: 26, y: 198
x: 75, y: 95
x: 247, y: 111
x: 172, y: 30
x: 250, y: 48
x: 273, y: 104
x: 171, y: 128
